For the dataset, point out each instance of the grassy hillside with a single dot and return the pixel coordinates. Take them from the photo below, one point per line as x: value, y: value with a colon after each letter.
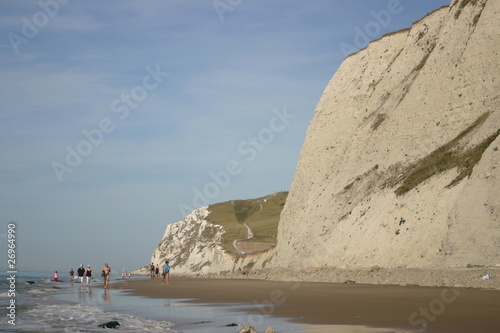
x: 261, y: 215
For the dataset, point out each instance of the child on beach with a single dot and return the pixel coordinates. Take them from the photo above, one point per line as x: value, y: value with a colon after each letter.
x: 56, y: 276
x: 166, y: 273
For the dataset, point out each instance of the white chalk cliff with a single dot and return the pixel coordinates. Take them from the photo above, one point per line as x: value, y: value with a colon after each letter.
x: 247, y: 230
x: 191, y: 244
x: 401, y: 163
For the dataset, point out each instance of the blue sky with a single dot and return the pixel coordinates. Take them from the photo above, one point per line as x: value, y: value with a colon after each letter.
x: 117, y: 117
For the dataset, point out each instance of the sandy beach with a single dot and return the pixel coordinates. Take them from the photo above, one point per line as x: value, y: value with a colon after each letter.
x: 398, y: 308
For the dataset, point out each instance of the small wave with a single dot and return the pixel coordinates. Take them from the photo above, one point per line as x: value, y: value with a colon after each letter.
x: 37, y: 291
x: 71, y: 318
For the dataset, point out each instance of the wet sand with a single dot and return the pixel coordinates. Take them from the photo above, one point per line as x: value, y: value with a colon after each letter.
x: 403, y: 309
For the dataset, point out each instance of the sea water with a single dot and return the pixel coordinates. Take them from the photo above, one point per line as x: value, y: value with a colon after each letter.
x: 42, y: 305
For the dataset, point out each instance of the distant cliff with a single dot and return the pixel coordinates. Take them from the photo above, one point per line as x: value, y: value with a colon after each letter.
x: 400, y: 166
x: 222, y: 238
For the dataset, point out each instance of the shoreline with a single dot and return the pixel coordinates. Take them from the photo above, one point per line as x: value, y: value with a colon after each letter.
x: 453, y: 277
x: 401, y: 308
x: 459, y: 277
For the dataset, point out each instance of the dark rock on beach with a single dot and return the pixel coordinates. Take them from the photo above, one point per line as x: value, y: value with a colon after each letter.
x: 110, y: 324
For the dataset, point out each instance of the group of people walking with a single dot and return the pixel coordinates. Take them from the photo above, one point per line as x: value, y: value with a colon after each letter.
x: 154, y: 271
x: 87, y: 274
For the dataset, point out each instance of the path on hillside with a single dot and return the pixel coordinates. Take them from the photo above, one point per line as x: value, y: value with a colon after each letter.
x: 249, y: 233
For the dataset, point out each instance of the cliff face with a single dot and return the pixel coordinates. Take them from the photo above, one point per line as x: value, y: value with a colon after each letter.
x: 222, y: 238
x: 400, y: 166
x: 192, y: 244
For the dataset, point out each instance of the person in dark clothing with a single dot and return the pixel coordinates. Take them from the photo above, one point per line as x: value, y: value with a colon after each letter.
x: 81, y: 273
x: 88, y: 274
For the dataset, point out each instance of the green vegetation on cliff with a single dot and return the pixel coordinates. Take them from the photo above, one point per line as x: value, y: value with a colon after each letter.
x: 451, y: 155
x: 261, y: 215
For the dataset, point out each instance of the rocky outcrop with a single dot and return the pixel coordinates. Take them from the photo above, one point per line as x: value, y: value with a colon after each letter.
x: 401, y: 162
x: 192, y: 245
